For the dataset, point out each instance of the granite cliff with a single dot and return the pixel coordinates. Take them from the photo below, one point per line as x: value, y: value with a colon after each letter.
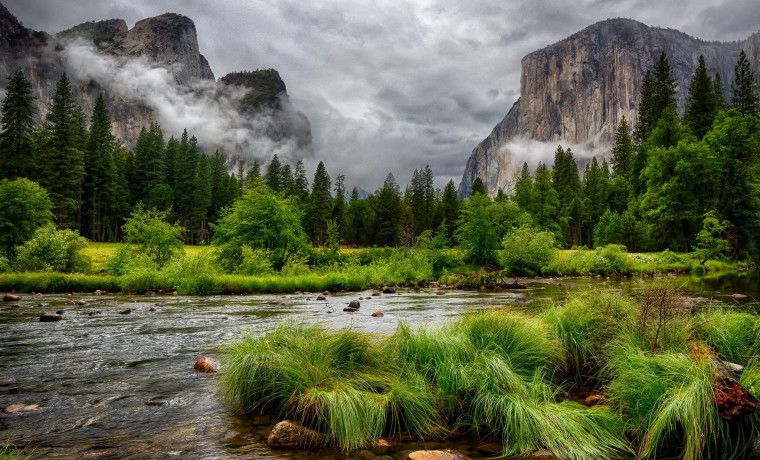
x: 575, y: 91
x: 106, y: 56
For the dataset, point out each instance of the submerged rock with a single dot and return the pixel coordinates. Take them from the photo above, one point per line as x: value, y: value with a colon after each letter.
x: 542, y: 453
x: 291, y: 435
x: 321, y: 297
x: 739, y: 296
x: 447, y: 454
x: 11, y: 298
x: 206, y: 365
x: 50, y: 317
x: 21, y: 408
x: 153, y: 308
x: 377, y: 314
x: 125, y: 312
x: 351, y: 309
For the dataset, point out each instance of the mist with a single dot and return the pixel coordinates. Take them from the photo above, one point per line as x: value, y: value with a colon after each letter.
x: 533, y: 152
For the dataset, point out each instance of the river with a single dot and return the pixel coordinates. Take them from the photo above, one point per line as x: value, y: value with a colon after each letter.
x: 93, y: 374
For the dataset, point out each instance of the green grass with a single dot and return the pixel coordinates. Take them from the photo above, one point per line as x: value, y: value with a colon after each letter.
x: 734, y: 335
x: 8, y: 452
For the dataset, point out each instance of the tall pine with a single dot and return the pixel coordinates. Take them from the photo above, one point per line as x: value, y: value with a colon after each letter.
x: 701, y: 104
x: 744, y: 96
x: 16, y: 137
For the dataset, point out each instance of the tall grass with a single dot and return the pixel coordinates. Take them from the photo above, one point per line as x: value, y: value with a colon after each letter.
x: 734, y: 335
x: 8, y: 452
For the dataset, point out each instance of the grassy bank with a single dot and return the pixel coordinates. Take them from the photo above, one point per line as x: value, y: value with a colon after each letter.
x: 504, y: 375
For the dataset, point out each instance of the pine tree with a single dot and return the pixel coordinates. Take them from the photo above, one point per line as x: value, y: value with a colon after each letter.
x: 218, y: 179
x: 101, y: 175
x: 544, y: 203
x: 720, y: 93
x: 523, y: 188
x: 388, y: 212
x: 622, y: 151
x: 744, y: 96
x: 701, y: 105
x: 287, y: 184
x: 253, y: 173
x: 17, y: 118
x: 151, y: 168
x: 321, y: 205
x: 478, y: 187
x: 658, y: 92
x: 300, y: 182
x: 273, y: 176
x: 339, y: 204
x: 201, y: 200
x: 449, y: 209
x: 63, y: 161
x: 184, y: 178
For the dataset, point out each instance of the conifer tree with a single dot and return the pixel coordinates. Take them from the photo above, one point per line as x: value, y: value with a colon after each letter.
x: 744, y: 96
x: 622, y: 151
x: 701, y: 104
x: 523, y: 188
x: 63, y: 160
x: 287, y: 184
x: 273, y: 176
x: 16, y: 137
x: 101, y: 175
x: 720, y: 93
x: 478, y: 187
x: 339, y: 203
x: 388, y: 212
x: 658, y: 92
x: 300, y: 182
x: 151, y: 168
x: 544, y: 203
x: 184, y: 178
x: 320, y: 205
x: 253, y: 173
x: 201, y: 200
x: 449, y: 209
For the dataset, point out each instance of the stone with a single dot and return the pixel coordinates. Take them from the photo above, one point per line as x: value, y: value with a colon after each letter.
x: 354, y: 304
x: 326, y: 293
x: 350, y: 309
x: 446, y: 454
x: 21, y: 408
x: 521, y: 300
x: 15, y: 305
x: 154, y: 403
x: 11, y: 298
x: 375, y: 294
x: 81, y: 302
x: 94, y: 312
x: 321, y: 297
x: 126, y: 312
x: 153, y: 308
x: 389, y: 290
x: 542, y: 453
x: 595, y: 400
x: 50, y: 317
x: 377, y: 314
x: 150, y: 293
x: 738, y: 296
x: 59, y: 312
x: 206, y: 365
x: 440, y: 293
x: 291, y: 435
x: 99, y: 292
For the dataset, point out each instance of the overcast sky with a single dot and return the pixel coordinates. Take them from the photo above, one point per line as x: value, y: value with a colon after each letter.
x: 390, y: 86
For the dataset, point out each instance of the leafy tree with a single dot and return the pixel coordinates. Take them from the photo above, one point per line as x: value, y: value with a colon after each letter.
x: 623, y: 228
x: 701, y: 104
x: 24, y: 207
x: 476, y: 231
x: 17, y: 118
x: 744, y: 96
x: 51, y: 249
x: 151, y: 231
x: 478, y: 187
x: 528, y: 251
x: 711, y: 241
x: 260, y: 219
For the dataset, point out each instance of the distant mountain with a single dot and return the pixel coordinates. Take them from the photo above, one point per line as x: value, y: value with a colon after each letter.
x: 256, y: 103
x: 577, y: 90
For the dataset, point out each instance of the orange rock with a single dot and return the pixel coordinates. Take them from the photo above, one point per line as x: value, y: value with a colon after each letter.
x: 206, y: 365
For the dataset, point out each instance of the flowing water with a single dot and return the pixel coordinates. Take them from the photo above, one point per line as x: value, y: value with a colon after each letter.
x: 93, y: 374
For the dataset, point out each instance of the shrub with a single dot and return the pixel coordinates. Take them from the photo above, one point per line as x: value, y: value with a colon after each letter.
x: 53, y: 250
x: 296, y: 264
x: 528, y: 251
x: 24, y: 207
x: 120, y: 261
x: 255, y: 262
x: 154, y: 235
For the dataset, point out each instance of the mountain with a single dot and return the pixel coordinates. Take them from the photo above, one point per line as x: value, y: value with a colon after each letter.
x: 577, y: 90
x: 155, y: 72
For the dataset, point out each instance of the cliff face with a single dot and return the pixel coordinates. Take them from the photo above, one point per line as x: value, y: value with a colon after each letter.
x: 577, y: 90
x: 167, y: 42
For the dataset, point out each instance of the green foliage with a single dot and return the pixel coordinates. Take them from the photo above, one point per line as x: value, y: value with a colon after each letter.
x: 734, y: 335
x: 260, y: 219
x: 155, y: 236
x: 711, y: 242
x: 658, y: 94
x: 744, y: 91
x: 702, y: 103
x: 24, y: 207
x: 612, y: 259
x: 17, y: 155
x: 50, y: 249
x: 528, y: 251
x: 478, y: 187
x: 255, y: 262
x: 476, y: 232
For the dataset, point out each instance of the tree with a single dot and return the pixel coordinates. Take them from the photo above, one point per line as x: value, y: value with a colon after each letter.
x: 448, y: 209
x: 17, y: 118
x: 300, y: 182
x: 387, y: 223
x: 62, y: 164
x: 154, y: 235
x: 273, y: 177
x: 260, y: 219
x: 478, y: 187
x: 711, y: 241
x: 527, y: 250
x: 24, y: 207
x: 658, y: 92
x: 623, y: 151
x: 720, y: 93
x: 201, y: 200
x: 544, y: 202
x: 253, y: 173
x: 596, y: 188
x: 287, y: 183
x: 701, y: 104
x: 476, y: 232
x: 339, y: 206
x: 422, y: 199
x: 51, y: 249
x: 152, y: 163
x: 185, y: 169
x: 320, y: 205
x: 744, y: 96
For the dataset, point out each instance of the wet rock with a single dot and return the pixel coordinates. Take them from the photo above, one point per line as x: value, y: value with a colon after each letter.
x: 321, y: 297
x: 59, y: 312
x: 377, y: 314
x: 384, y: 445
x: 298, y: 293
x: 440, y: 293
x: 351, y: 309
x: 521, y: 300
x: 434, y: 284
x: 15, y: 305
x: 126, y: 312
x: 11, y: 298
x: 326, y: 293
x: 154, y: 403
x: 173, y: 293
x: 150, y: 293
x: 153, y: 308
x: 375, y: 294
x: 361, y: 298
x: 50, y: 317
x: 99, y: 292
x: 225, y: 317
x: 447, y: 454
x: 595, y: 400
x: 542, y: 453
x: 291, y: 435
x: 206, y: 365
x: 389, y: 290
x: 21, y: 408
x: 81, y: 302
x: 41, y: 304
x: 94, y: 312
x: 738, y: 296
x: 354, y: 304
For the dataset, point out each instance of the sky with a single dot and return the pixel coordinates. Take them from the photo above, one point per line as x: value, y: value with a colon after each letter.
x: 390, y: 86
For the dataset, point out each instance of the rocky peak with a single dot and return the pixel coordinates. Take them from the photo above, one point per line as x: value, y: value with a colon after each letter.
x: 265, y: 88
x: 576, y: 90
x: 170, y: 40
x: 101, y: 33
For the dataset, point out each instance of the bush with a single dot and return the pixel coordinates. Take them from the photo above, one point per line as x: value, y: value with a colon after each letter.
x: 527, y: 251
x: 53, y: 250
x: 24, y: 207
x: 121, y: 261
x: 5, y: 265
x: 154, y: 235
x: 255, y: 262
x: 296, y: 264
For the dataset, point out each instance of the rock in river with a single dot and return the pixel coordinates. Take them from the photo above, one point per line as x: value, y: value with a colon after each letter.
x: 350, y: 309
x: 389, y: 290
x: 206, y: 365
x: 377, y: 314
x: 50, y: 317
x: 354, y: 304
x: 16, y: 408
x: 11, y: 298
x: 446, y: 454
x: 291, y: 435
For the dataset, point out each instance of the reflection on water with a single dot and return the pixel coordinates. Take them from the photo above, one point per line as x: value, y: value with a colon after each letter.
x: 93, y: 373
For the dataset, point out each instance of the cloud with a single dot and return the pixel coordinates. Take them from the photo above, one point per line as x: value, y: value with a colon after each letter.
x: 532, y: 152
x: 208, y: 110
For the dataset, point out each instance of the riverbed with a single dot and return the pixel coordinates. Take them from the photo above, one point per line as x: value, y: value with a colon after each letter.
x: 93, y: 372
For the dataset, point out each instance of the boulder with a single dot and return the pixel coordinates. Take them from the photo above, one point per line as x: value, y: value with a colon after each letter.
x: 50, y: 317
x: 206, y: 365
x: 94, y: 312
x: 354, y: 304
x: 11, y: 298
x: 326, y: 293
x: 321, y: 297
x: 81, y: 302
x: 446, y: 454
x: 440, y: 293
x: 377, y: 314
x: 59, y: 312
x: 154, y: 403
x: 126, y: 312
x: 595, y: 400
x: 150, y: 293
x: 21, y: 408
x: 153, y: 308
x: 738, y: 296
x: 350, y: 309
x: 375, y: 294
x: 389, y: 290
x: 291, y: 435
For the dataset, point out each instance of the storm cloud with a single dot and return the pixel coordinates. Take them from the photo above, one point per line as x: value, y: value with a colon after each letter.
x: 390, y: 86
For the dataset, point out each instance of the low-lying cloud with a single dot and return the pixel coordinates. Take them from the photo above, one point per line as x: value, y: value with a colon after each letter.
x: 534, y: 152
